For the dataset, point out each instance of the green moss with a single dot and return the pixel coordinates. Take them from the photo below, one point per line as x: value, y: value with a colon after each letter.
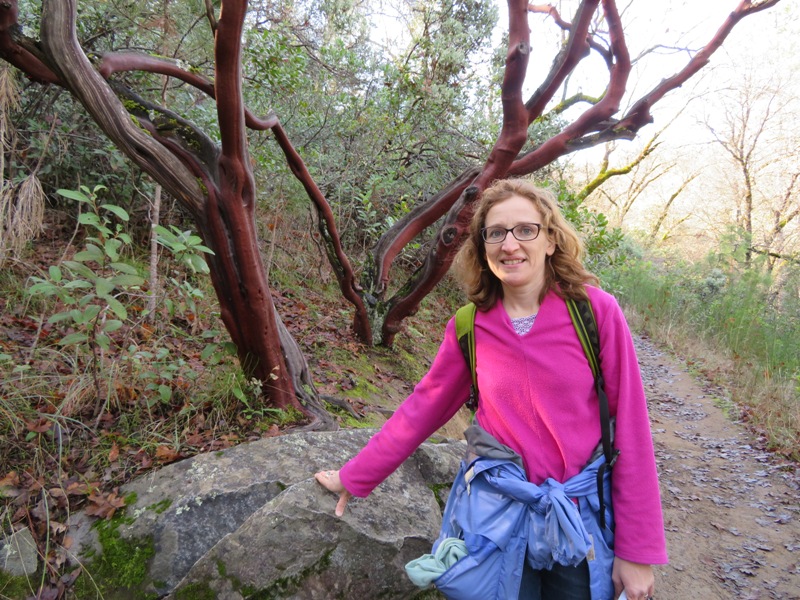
x: 438, y: 489
x: 222, y: 569
x: 120, y: 569
x: 16, y: 588
x: 134, y: 107
x: 160, y: 507
x: 195, y: 591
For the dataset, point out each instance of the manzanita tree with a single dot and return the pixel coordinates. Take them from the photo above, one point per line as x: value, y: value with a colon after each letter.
x: 214, y: 181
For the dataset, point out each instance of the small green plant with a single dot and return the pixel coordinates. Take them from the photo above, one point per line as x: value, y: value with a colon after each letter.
x: 188, y: 250
x: 187, y: 247
x: 90, y: 285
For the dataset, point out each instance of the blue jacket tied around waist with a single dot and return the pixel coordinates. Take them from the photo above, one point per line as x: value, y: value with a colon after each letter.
x: 502, y: 519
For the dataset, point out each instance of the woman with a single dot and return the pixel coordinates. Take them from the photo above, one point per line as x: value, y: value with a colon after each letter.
x: 536, y: 389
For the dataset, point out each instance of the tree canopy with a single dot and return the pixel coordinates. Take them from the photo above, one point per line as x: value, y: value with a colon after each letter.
x: 179, y: 91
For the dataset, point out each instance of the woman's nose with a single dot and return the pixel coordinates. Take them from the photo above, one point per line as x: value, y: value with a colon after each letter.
x: 510, y: 243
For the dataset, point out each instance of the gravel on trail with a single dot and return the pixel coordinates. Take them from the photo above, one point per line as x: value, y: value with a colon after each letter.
x: 731, y: 509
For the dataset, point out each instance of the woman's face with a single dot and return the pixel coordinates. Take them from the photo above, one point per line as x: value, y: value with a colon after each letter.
x: 517, y: 264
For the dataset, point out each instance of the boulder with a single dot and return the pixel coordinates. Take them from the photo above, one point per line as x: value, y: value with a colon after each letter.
x: 18, y: 554
x: 252, y: 521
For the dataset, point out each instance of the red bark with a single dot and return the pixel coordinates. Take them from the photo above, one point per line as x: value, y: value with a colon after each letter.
x: 225, y: 210
x: 216, y: 185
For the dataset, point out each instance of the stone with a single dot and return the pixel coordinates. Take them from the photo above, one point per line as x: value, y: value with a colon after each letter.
x: 253, y: 519
x: 18, y: 554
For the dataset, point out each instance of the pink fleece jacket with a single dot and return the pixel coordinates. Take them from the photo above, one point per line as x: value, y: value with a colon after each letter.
x: 537, y: 396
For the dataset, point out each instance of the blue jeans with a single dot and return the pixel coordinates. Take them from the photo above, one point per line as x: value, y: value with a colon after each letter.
x: 558, y: 583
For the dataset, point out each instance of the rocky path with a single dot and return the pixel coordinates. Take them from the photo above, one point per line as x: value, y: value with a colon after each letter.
x: 732, y: 511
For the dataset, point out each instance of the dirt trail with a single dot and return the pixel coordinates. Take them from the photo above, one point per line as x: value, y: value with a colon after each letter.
x: 732, y: 510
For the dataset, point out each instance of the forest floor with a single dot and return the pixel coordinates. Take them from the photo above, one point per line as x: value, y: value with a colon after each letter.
x: 732, y: 509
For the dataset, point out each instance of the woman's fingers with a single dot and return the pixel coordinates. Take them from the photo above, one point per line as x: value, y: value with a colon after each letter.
x: 331, y: 482
x: 344, y: 498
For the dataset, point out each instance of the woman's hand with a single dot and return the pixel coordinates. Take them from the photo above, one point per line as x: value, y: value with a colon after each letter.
x: 636, y: 579
x: 331, y: 482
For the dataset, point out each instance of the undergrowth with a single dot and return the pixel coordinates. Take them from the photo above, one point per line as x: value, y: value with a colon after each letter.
x: 96, y: 390
x: 736, y: 324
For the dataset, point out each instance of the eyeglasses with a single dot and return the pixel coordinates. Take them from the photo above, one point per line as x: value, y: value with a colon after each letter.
x: 524, y: 232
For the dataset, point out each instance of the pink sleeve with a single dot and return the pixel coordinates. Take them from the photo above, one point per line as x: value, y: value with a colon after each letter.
x: 639, y: 534
x: 434, y: 401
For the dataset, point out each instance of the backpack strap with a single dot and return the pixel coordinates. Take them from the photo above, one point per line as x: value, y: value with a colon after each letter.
x: 586, y: 327
x: 465, y: 331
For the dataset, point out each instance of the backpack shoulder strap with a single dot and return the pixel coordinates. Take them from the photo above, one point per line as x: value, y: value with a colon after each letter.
x: 465, y: 332
x: 586, y: 326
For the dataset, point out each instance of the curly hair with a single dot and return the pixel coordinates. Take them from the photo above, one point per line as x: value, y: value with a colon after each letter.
x: 564, y: 272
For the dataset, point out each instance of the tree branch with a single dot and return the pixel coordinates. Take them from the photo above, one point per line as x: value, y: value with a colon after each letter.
x: 327, y: 228
x: 76, y: 73
x: 639, y: 114
x: 19, y: 50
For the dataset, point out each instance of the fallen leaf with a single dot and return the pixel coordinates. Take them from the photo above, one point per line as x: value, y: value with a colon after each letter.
x: 165, y: 454
x: 104, y: 505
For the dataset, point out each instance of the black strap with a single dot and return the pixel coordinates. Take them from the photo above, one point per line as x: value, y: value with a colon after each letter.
x: 586, y: 325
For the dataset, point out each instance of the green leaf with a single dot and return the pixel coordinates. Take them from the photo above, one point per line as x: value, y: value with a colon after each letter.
x: 44, y: 288
x: 126, y: 280
x: 78, y: 284
x: 117, y: 308
x: 79, y: 269
x: 121, y: 213
x: 74, y: 195
x: 104, y: 287
x: 165, y: 393
x: 112, y: 325
x: 124, y: 268
x: 198, y: 264
x: 112, y: 247
x: 86, y: 299
x: 55, y: 273
x: 58, y: 317
x: 103, y: 341
x: 73, y: 339
x: 237, y: 391
x: 208, y: 351
x: 92, y: 252
x: 89, y: 219
x: 163, y: 231
x: 86, y: 315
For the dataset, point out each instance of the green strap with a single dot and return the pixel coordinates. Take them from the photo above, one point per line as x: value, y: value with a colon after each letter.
x: 586, y: 327
x: 465, y: 332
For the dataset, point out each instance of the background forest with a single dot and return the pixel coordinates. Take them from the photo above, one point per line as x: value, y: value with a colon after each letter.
x: 114, y: 353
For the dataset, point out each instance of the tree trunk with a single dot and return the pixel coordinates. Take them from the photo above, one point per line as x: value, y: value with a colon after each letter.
x: 215, y: 187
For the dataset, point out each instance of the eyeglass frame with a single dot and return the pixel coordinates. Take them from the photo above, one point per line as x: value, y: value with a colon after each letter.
x: 511, y: 230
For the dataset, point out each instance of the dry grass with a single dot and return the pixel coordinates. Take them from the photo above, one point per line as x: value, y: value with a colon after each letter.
x: 768, y: 405
x: 22, y: 205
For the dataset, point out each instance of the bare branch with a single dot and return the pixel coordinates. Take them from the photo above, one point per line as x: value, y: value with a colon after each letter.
x: 639, y: 115
x: 77, y: 74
